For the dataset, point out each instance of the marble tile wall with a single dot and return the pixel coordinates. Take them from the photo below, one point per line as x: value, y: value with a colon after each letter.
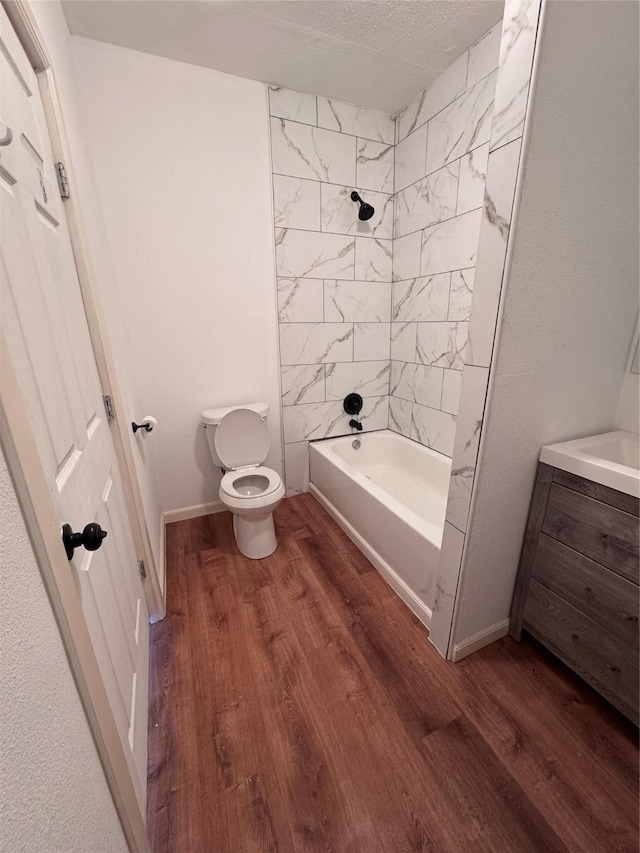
x: 334, y: 272
x: 403, y: 308
x: 443, y: 142
x: 517, y: 47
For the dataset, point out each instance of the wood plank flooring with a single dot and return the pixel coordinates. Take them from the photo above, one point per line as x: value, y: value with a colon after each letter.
x: 297, y: 705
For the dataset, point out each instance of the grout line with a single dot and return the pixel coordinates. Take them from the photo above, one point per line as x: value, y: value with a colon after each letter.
x: 366, y: 361
x: 458, y: 185
x: 504, y: 144
x: 392, y: 320
x: 412, y: 278
x: 433, y: 225
x: 331, y: 130
x: 446, y: 165
x: 382, y: 192
x: 466, y: 70
x: 339, y: 400
x: 337, y: 234
x: 426, y: 148
x: 343, y: 185
x: 449, y: 299
x: 356, y: 280
x: 277, y: 303
x: 360, y: 320
x: 455, y: 525
x: 461, y: 95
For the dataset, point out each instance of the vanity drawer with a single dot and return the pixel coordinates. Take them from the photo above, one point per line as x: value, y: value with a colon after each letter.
x: 600, y: 657
x: 594, y: 490
x: 602, y: 595
x: 602, y: 532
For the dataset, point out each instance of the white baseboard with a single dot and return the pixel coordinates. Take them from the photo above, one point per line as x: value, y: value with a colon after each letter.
x: 192, y: 512
x: 179, y: 515
x: 417, y: 607
x: 480, y: 640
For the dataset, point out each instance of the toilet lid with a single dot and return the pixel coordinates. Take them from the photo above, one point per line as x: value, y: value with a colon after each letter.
x: 242, y: 438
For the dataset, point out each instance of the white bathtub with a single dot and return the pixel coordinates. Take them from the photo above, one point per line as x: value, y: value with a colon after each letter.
x: 390, y: 497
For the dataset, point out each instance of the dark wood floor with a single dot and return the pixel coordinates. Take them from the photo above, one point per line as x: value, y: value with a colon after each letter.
x: 297, y: 705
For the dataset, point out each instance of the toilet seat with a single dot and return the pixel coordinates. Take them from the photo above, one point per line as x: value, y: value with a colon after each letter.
x: 242, y: 439
x: 242, y: 443
x: 231, y: 482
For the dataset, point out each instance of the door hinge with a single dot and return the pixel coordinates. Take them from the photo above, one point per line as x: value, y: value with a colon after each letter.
x: 108, y: 407
x: 142, y: 569
x: 63, y: 180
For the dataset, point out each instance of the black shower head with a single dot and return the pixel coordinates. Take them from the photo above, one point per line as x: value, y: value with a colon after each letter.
x: 366, y: 211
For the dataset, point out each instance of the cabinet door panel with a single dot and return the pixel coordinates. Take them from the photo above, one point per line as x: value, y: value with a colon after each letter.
x: 601, y: 658
x: 601, y: 493
x: 599, y: 531
x: 602, y: 595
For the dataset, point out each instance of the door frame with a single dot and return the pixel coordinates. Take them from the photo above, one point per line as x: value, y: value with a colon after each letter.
x: 24, y: 24
x: 31, y: 487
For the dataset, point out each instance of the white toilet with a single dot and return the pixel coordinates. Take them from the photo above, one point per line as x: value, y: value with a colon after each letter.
x: 239, y: 442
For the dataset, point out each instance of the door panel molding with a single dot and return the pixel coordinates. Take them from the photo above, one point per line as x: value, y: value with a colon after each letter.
x: 32, y: 490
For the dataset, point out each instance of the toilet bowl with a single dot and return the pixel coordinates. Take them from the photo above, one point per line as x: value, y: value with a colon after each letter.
x: 239, y: 442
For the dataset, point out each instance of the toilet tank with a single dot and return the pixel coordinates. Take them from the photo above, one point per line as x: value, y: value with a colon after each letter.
x: 212, y: 417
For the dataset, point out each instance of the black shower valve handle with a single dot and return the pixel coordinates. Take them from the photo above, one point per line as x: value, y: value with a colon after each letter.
x: 352, y: 403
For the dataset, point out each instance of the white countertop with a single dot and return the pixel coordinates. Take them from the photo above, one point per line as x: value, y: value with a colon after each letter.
x: 611, y: 459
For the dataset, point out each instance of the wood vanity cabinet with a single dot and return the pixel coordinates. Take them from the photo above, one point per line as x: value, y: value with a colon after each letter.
x: 577, y: 585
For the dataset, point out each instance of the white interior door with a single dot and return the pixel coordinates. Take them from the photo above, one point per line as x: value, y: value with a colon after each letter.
x: 44, y: 324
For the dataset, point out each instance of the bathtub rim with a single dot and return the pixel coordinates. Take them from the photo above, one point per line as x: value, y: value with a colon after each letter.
x: 393, y: 504
x: 419, y: 609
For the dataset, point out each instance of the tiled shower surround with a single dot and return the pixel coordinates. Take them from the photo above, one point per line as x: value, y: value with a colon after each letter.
x: 334, y: 271
x: 453, y: 174
x: 440, y: 170
x: 459, y: 580
x: 378, y: 307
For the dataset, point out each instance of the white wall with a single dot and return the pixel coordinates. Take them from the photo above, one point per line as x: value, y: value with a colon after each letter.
x: 571, y: 299
x: 628, y: 410
x: 181, y: 158
x: 53, y: 793
x: 53, y: 26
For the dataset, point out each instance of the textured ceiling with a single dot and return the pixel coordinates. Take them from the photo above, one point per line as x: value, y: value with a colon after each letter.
x: 378, y: 53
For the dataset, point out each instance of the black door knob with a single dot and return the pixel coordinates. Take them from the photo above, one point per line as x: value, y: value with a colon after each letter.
x: 91, y: 538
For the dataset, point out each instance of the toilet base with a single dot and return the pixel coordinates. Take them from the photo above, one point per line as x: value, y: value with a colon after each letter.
x: 255, y: 537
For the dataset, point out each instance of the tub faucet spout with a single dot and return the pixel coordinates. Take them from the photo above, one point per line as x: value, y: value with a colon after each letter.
x: 354, y: 424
